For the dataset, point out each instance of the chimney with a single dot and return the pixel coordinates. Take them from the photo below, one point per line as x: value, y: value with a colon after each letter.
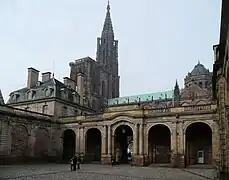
x: 69, y: 83
x: 46, y: 76
x: 80, y: 86
x: 32, y: 78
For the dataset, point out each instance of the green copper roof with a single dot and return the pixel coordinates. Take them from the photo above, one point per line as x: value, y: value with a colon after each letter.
x: 140, y: 98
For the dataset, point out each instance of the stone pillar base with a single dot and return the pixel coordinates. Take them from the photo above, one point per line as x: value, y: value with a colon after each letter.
x: 106, y: 159
x: 177, y: 161
x: 138, y: 160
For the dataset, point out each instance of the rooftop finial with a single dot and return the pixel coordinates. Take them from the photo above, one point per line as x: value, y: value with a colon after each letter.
x: 108, y: 5
x: 198, y: 61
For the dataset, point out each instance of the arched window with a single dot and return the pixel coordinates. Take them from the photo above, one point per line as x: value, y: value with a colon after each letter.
x: 201, y: 84
x: 103, y: 88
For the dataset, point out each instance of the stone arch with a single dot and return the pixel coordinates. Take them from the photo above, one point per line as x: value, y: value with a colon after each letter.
x: 19, y: 140
x: 198, y: 121
x: 159, y: 143
x: 86, y: 129
x: 154, y: 124
x: 185, y: 104
x: 123, y: 141
x: 42, y: 142
x: 198, y: 143
x: 69, y: 144
x: 122, y: 120
x: 118, y: 116
x: 201, y: 102
x: 93, y: 144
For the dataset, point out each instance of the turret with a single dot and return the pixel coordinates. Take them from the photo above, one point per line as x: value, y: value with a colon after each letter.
x: 176, y: 95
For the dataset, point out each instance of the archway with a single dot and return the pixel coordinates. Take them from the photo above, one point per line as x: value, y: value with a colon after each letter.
x: 198, y: 144
x: 159, y: 141
x: 93, y: 145
x: 41, y: 146
x: 19, y: 144
x: 123, y: 143
x: 69, y: 144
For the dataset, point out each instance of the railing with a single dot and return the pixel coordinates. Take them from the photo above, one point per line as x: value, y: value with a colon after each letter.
x: 17, y: 111
x: 198, y: 108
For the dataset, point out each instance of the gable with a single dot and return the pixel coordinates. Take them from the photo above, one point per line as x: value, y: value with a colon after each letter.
x: 193, y: 92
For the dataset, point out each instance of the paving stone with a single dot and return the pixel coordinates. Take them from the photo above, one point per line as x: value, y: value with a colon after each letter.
x: 100, y: 172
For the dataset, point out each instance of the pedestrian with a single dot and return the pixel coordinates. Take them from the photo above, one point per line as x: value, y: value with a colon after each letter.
x: 71, y: 162
x: 74, y: 163
x: 112, y: 160
x: 78, y: 161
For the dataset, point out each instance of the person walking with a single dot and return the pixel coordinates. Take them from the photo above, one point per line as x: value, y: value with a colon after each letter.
x: 74, y: 163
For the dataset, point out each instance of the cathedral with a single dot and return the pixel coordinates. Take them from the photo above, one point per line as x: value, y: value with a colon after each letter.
x: 50, y: 120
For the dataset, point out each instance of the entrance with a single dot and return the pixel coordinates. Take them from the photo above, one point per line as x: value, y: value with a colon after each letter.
x: 69, y: 143
x: 198, y: 144
x: 93, y: 145
x: 159, y: 140
x: 123, y: 144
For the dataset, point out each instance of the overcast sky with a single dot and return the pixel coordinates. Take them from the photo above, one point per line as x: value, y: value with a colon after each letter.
x: 159, y: 40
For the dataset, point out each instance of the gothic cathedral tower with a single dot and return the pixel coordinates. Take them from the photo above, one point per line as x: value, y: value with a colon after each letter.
x: 107, y: 58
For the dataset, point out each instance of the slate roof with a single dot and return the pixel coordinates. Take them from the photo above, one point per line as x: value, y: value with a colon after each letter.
x: 39, y: 89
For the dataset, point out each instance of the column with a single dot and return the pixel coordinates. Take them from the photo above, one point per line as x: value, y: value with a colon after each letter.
x: 113, y: 145
x: 135, y: 143
x: 141, y: 139
x: 104, y: 140
x: 82, y: 139
x: 31, y: 143
x: 77, y: 139
x: 109, y: 146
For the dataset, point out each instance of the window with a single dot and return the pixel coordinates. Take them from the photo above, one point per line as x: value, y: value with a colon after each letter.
x: 200, y: 84
x: 45, y: 109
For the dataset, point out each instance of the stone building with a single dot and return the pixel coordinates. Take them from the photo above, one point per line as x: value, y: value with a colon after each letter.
x: 178, y: 127
x: 50, y: 96
x: 221, y: 90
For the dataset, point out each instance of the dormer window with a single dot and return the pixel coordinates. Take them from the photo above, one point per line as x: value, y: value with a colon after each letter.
x: 15, y: 97
x: 76, y: 97
x: 64, y: 94
x: 31, y: 94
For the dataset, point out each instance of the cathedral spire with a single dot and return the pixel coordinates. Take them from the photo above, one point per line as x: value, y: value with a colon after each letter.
x: 176, y: 94
x: 107, y: 27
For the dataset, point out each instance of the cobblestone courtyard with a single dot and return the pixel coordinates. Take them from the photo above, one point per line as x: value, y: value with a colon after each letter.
x: 100, y: 172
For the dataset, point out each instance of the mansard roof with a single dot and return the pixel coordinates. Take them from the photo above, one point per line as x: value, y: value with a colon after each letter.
x: 54, y: 86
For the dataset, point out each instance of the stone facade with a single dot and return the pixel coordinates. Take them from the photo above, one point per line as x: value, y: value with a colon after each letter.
x: 26, y: 136
x: 85, y: 116
x: 221, y: 90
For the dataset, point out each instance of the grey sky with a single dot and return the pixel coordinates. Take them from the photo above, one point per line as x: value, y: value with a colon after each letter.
x: 159, y: 40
